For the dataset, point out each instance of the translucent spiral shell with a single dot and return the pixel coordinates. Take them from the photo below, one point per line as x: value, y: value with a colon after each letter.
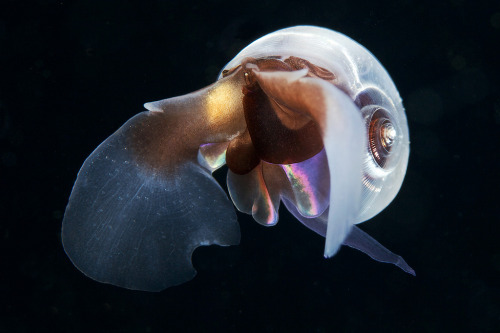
x: 362, y: 77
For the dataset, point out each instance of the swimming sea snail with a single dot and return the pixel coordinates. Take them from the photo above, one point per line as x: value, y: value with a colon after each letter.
x: 304, y: 116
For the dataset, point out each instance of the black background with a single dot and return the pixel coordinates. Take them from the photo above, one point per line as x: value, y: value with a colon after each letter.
x: 71, y: 72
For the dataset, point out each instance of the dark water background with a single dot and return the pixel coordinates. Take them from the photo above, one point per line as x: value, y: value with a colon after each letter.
x: 71, y: 72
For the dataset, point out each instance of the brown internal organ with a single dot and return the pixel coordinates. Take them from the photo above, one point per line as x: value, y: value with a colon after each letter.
x: 290, y: 64
x: 314, y: 71
x: 273, y: 141
x: 275, y: 133
x: 241, y: 156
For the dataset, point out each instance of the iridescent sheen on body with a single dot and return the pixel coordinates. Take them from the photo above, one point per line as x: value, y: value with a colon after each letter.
x: 310, y: 184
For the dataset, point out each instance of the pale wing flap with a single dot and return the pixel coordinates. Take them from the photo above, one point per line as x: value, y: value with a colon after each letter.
x: 134, y: 224
x: 356, y: 239
x: 360, y: 240
x: 344, y: 136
